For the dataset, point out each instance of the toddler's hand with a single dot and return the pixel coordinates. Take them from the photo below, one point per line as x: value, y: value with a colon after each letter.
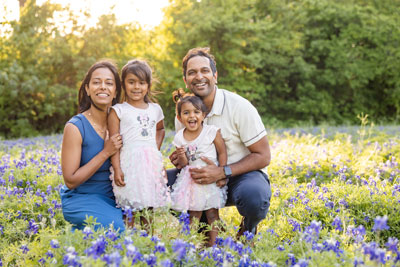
x: 119, y: 178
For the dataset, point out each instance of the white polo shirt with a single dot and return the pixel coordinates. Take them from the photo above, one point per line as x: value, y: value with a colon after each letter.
x: 239, y: 121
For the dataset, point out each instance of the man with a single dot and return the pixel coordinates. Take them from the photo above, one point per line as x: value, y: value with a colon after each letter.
x: 245, y: 139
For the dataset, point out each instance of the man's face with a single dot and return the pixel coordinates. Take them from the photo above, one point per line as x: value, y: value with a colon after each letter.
x: 199, y: 77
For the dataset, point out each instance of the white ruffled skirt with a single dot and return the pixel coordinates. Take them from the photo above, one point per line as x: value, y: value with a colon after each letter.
x: 144, y: 176
x: 187, y: 195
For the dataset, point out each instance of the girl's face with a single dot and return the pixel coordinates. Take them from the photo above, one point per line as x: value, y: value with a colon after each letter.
x: 191, y: 116
x: 101, y: 87
x: 135, y: 88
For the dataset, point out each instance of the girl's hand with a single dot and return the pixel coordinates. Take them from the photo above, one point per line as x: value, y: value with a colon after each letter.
x: 119, y: 177
x: 113, y: 144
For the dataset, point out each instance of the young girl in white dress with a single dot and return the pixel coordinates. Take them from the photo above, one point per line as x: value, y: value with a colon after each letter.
x: 192, y: 142
x: 138, y: 176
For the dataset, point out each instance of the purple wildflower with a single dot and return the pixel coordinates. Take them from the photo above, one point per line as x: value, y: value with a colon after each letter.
x: 159, y: 247
x: 380, y: 223
x: 179, y: 247
x: 337, y: 223
x: 54, y: 243
x: 392, y: 244
x: 249, y: 235
x: 113, y: 259
x: 167, y: 263
x: 133, y: 253
x: 150, y: 259
x: 24, y: 249
x: 70, y: 258
x: 98, y: 247
x: 185, y: 222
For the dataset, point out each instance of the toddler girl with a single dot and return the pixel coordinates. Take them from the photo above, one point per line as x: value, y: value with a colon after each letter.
x: 194, y: 141
x: 138, y: 175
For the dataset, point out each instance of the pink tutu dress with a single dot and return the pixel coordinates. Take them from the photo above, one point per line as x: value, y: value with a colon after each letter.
x: 186, y: 194
x: 141, y: 161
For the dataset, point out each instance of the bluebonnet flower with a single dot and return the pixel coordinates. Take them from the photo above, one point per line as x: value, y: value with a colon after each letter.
x: 295, y: 224
x: 185, y: 222
x: 392, y: 244
x: 179, y: 247
x: 244, y: 261
x: 97, y: 248
x: 24, y: 249
x: 159, y: 247
x: 229, y: 256
x: 42, y: 261
x: 337, y: 223
x: 312, y: 232
x: 110, y: 234
x: 118, y: 246
x: 155, y: 239
x: 217, y: 255
x: 87, y: 231
x: 269, y: 264
x: 49, y: 254
x: 358, y: 262
x: 128, y: 240
x: 167, y: 263
x: 302, y: 263
x: 329, y: 204
x: 113, y: 259
x: 32, y: 227
x: 150, y: 259
x: 143, y: 233
x: 1, y: 229
x: 229, y: 242
x: 70, y: 258
x: 280, y: 248
x: 128, y: 213
x: 317, y: 247
x: 358, y: 233
x: 332, y: 245
x: 54, y: 243
x: 380, y: 223
x: 249, y: 235
x: 133, y: 253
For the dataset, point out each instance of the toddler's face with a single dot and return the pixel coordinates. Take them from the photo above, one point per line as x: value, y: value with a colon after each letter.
x: 191, y: 116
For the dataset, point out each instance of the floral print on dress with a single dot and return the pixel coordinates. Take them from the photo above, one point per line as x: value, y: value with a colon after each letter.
x: 191, y: 152
x: 146, y: 124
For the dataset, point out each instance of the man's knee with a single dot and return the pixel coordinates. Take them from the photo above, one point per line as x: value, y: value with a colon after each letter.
x: 253, y: 199
x: 171, y: 174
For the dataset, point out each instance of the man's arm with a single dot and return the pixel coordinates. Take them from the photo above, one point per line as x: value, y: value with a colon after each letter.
x: 259, y: 157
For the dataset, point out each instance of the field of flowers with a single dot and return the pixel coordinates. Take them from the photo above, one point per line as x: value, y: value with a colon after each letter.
x: 336, y: 202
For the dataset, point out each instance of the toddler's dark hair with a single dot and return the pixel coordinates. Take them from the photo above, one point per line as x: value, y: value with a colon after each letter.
x: 194, y: 100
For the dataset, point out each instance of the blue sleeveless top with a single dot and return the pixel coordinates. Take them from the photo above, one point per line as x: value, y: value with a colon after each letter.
x: 92, y: 144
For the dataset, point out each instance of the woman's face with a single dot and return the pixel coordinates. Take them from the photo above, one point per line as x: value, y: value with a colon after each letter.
x: 101, y: 87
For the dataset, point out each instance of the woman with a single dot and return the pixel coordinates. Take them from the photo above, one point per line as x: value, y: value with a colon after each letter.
x: 86, y: 150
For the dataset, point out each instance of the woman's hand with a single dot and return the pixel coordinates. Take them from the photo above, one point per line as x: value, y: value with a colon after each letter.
x: 113, y: 144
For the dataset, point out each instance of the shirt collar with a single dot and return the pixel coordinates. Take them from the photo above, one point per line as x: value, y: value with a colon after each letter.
x: 218, y: 104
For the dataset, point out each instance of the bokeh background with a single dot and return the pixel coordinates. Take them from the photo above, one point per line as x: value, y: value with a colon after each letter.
x: 307, y: 62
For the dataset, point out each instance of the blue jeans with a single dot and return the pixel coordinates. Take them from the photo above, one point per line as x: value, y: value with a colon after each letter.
x: 249, y: 192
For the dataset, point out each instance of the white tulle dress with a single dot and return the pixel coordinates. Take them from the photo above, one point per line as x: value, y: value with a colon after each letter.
x: 187, y: 195
x: 141, y: 161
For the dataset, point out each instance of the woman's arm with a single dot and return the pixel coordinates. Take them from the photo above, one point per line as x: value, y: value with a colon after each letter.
x: 160, y: 133
x: 71, y: 157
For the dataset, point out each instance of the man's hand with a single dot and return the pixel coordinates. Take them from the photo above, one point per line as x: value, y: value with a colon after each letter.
x: 208, y: 174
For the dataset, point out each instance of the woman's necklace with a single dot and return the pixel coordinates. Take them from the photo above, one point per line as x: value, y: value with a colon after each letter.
x: 99, y: 129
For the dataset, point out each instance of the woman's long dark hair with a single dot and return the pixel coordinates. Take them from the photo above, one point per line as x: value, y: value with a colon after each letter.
x: 84, y: 101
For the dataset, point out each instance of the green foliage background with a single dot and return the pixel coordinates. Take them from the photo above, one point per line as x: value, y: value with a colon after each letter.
x: 308, y: 61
